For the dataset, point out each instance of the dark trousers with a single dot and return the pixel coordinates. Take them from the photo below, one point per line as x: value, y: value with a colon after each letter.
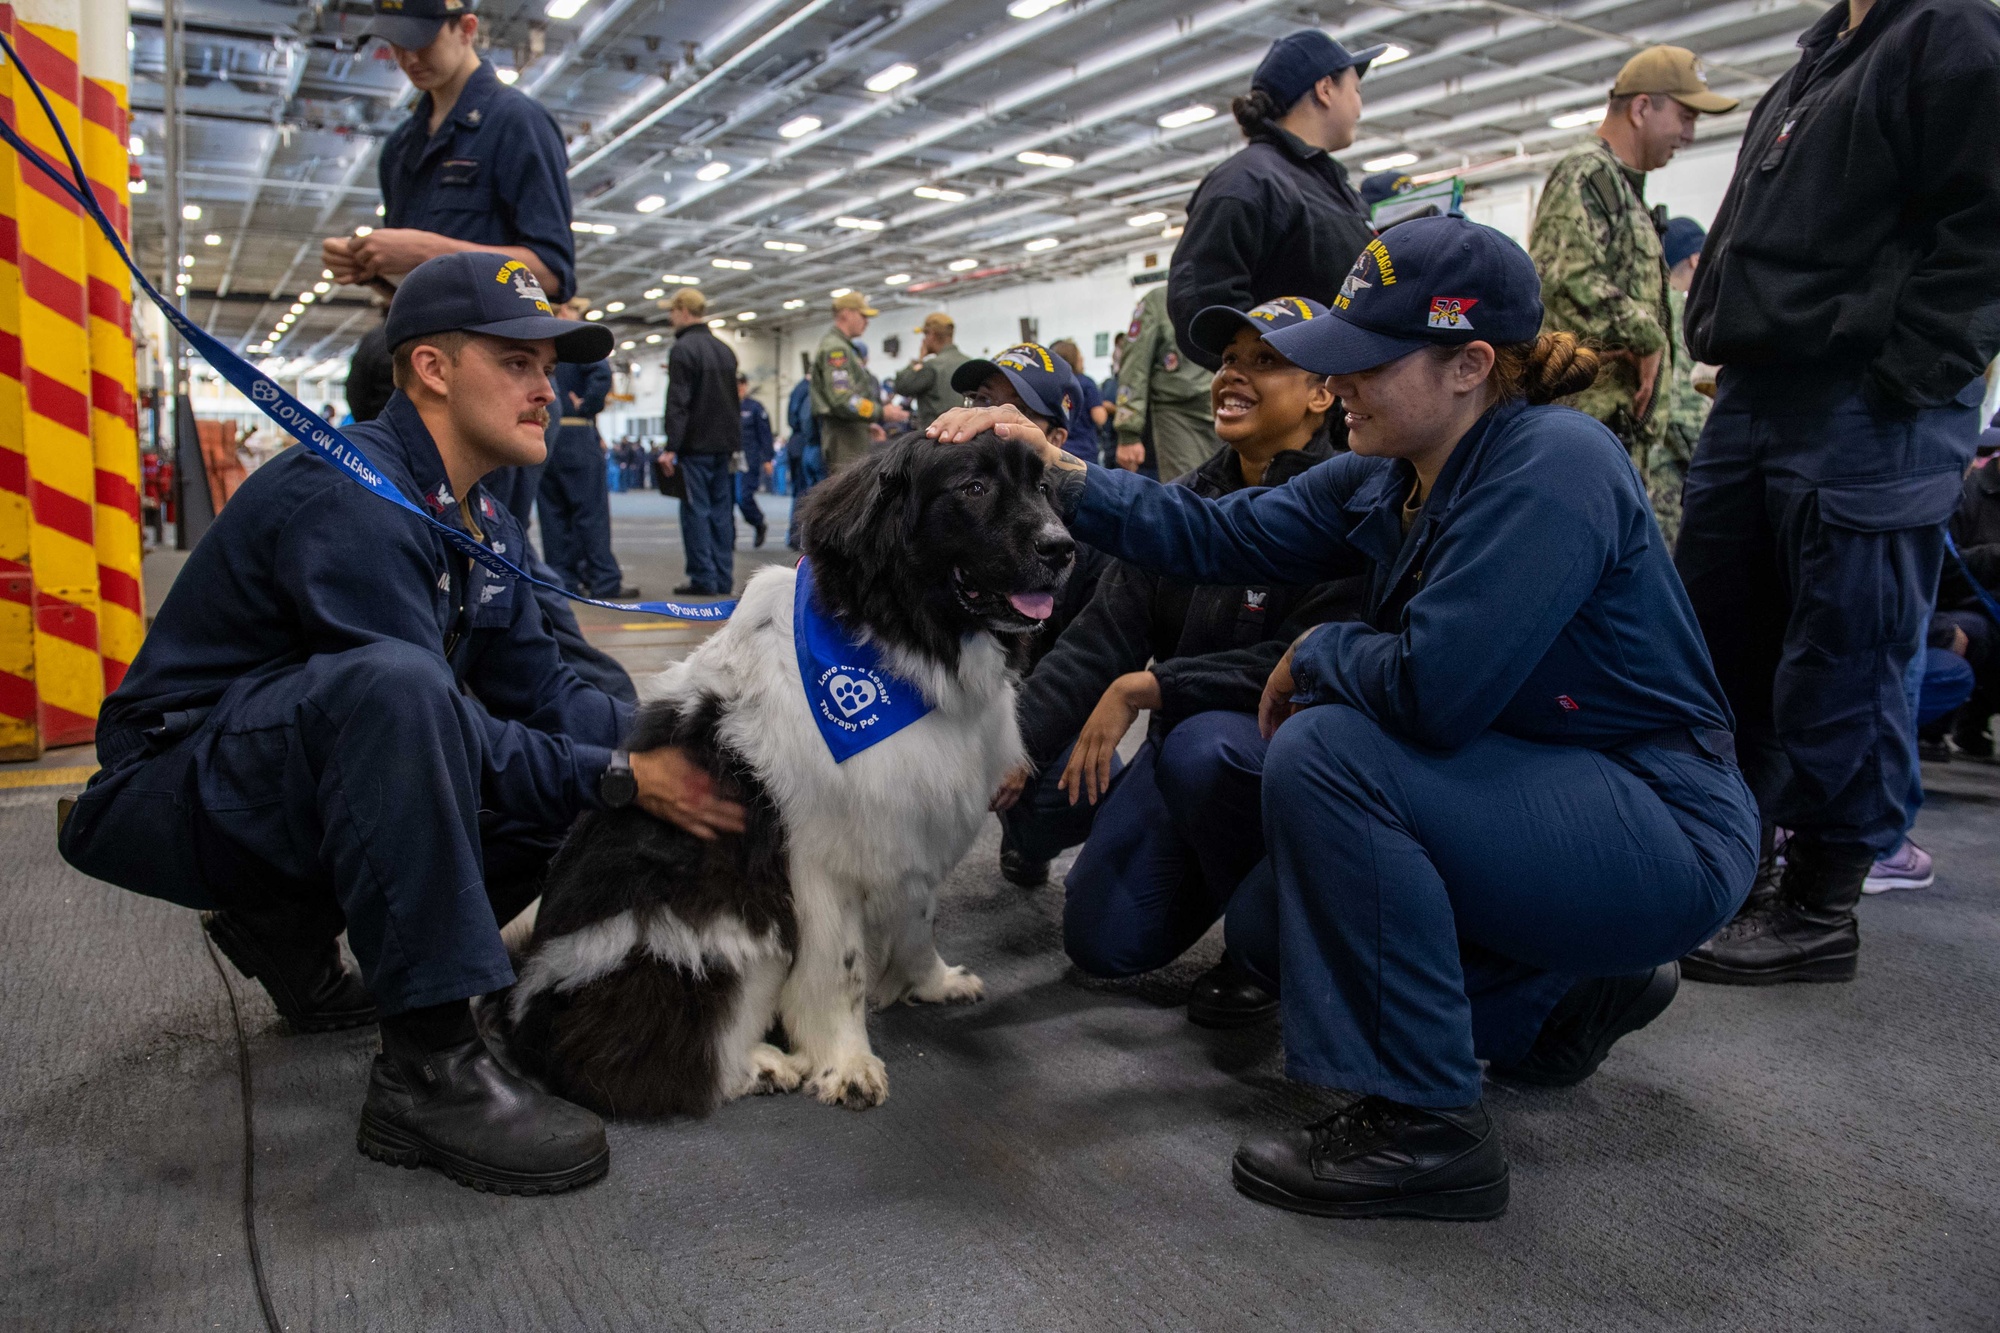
x: 1426, y: 910
x: 1812, y: 530
x: 342, y: 791
x: 746, y: 498
x: 576, y: 514
x: 708, y: 528
x: 805, y: 469
x: 1162, y: 852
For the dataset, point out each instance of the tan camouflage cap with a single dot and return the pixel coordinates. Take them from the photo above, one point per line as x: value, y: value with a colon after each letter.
x: 1674, y: 71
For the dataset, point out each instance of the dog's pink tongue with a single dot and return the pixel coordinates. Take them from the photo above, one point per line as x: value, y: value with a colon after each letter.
x: 1033, y: 605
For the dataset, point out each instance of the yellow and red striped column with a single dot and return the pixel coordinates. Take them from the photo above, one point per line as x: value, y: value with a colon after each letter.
x: 55, y: 380
x: 114, y: 424
x: 20, y: 726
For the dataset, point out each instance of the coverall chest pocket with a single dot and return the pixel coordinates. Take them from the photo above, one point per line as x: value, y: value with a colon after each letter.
x: 462, y: 185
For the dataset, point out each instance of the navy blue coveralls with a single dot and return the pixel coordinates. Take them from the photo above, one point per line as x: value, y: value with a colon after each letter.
x: 758, y: 449
x: 337, y: 720
x: 495, y: 173
x: 575, y: 491
x: 1517, y: 770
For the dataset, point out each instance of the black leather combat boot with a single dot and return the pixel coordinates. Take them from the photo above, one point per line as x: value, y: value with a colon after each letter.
x: 1226, y: 996
x: 1808, y: 934
x: 437, y: 1097
x: 1580, y: 1031
x: 308, y: 982
x: 1378, y: 1158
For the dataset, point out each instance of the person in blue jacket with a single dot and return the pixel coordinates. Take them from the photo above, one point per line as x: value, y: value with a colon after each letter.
x: 338, y: 721
x: 804, y: 465
x: 1499, y: 807
x: 575, y: 491
x: 759, y: 456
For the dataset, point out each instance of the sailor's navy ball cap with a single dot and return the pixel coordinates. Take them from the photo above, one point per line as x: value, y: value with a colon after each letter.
x: 1044, y: 380
x: 474, y: 291
x: 1214, y: 327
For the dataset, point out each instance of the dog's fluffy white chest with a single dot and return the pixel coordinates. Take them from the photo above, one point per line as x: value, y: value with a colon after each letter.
x: 901, y: 812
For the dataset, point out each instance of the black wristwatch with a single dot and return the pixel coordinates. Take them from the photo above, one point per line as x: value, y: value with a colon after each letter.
x: 617, y: 787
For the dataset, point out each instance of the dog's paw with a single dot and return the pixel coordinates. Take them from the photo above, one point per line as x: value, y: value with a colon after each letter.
x: 856, y: 1082
x: 772, y: 1070
x: 949, y: 985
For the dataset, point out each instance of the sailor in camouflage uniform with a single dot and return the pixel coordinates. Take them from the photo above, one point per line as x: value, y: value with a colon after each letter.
x: 1687, y: 407
x: 846, y: 399
x: 1162, y: 394
x: 1597, y: 248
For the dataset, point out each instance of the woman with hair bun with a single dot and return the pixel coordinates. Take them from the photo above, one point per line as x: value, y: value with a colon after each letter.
x: 1279, y: 218
x: 1499, y: 807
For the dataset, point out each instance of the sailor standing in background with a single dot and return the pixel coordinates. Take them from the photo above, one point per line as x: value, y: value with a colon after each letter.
x: 575, y: 503
x: 759, y: 455
x: 477, y: 166
x: 1162, y: 397
x: 927, y: 379
x: 846, y: 398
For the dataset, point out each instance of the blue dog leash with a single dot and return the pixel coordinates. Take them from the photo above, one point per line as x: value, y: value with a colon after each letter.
x: 1978, y: 588
x: 296, y: 418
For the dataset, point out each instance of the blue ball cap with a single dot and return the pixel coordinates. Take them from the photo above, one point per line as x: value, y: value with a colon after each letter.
x: 414, y: 24
x: 1439, y: 281
x: 477, y: 292
x: 1683, y: 237
x: 1214, y: 327
x: 1297, y: 61
x: 1044, y: 380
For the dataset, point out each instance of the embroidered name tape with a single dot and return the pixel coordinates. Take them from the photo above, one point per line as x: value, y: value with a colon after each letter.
x: 298, y: 420
x: 856, y: 702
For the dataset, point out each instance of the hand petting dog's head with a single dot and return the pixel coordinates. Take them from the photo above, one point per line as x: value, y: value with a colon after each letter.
x: 924, y: 543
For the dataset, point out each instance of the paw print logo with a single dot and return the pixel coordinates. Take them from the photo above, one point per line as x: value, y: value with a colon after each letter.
x: 264, y: 391
x: 852, y: 696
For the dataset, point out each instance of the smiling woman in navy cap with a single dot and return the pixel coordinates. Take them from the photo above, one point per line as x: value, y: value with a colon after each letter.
x: 1278, y: 218
x: 1501, y: 805
x: 339, y: 721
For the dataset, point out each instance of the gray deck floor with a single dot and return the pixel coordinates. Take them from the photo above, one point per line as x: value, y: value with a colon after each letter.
x: 1055, y: 1158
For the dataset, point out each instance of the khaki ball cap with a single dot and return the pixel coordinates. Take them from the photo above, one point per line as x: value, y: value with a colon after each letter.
x: 1674, y: 71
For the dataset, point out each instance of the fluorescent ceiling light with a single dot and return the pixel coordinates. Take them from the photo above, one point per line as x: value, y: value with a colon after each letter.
x: 1173, y: 231
x: 192, y: 212
x: 297, y: 309
x: 326, y: 273
x: 211, y: 239
x: 718, y: 323
x: 897, y: 279
x: 1576, y: 120
x: 1028, y: 9
x: 1042, y: 243
x: 381, y: 210
x: 894, y: 76
x: 788, y: 247
x: 1145, y: 219
x: 613, y: 307
x: 507, y: 76
x: 652, y: 338
x: 627, y: 345
x: 681, y: 279
x: 655, y: 293
x: 364, y: 231
x: 1385, y: 163
x: 960, y: 265
x: 746, y: 314
x: 933, y: 192
x: 1034, y: 159
x: 593, y: 228
x: 136, y: 187
x: 652, y: 203
x: 136, y: 145
x: 799, y: 127
x: 564, y: 9
x: 1390, y: 56
x: 1187, y: 115
x: 839, y: 292
x: 593, y: 314
x: 859, y: 224
x: 714, y: 171
x: 308, y: 297
x: 796, y: 303
x: 739, y: 265
x: 322, y: 287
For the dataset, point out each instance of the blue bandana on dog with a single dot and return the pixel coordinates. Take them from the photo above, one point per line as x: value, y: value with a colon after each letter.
x: 854, y: 699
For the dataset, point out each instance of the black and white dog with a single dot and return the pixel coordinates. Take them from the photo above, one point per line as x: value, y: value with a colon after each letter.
x: 660, y: 963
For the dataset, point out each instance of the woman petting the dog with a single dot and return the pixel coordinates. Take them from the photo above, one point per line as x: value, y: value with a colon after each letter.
x: 1499, y: 807
x: 1171, y: 835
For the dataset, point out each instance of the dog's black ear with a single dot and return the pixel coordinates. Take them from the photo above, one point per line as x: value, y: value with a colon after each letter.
x: 851, y: 516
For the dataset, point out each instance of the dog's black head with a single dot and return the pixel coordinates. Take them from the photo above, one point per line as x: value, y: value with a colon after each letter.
x: 924, y: 543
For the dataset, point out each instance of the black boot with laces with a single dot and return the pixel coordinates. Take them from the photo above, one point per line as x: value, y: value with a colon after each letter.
x: 1378, y: 1158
